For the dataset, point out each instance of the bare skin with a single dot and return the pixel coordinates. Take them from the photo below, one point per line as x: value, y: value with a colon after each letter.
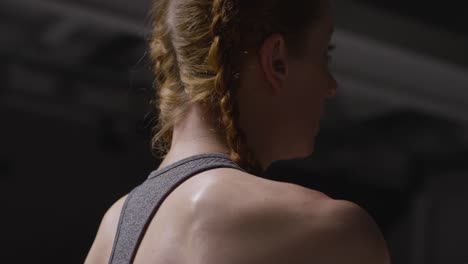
x: 228, y: 216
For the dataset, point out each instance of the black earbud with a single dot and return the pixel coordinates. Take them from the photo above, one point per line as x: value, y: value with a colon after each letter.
x: 279, y: 66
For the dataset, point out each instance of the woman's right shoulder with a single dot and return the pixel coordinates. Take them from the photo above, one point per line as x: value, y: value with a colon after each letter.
x: 102, y: 246
x: 253, y: 220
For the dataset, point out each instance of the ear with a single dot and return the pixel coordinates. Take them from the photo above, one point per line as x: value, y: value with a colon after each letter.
x: 273, y: 60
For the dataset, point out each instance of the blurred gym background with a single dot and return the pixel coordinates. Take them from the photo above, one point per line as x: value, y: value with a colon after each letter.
x: 75, y: 85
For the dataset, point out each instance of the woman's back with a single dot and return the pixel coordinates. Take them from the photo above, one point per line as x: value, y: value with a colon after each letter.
x: 225, y: 215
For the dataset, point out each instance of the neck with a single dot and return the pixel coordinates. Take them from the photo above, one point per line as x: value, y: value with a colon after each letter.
x: 193, y: 135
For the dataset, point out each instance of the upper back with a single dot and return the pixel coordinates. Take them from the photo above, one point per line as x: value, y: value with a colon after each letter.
x: 272, y: 222
x: 228, y: 216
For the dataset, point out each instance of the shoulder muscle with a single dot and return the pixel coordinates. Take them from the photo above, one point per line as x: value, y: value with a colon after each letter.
x: 263, y: 227
x: 349, y: 234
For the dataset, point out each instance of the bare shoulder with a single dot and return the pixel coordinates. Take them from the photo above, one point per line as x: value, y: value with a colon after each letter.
x: 349, y: 235
x: 253, y: 220
x: 102, y: 246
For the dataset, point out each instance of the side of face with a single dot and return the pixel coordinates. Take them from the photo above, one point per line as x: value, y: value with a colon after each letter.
x: 301, y: 85
x: 310, y: 82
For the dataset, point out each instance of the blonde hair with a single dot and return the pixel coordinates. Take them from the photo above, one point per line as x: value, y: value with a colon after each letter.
x: 196, y: 47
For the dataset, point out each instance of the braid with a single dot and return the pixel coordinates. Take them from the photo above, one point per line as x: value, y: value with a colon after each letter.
x: 169, y: 89
x: 195, y: 48
x: 224, y: 33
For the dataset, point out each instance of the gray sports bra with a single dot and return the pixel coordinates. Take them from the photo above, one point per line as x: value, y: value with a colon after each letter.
x: 143, y: 201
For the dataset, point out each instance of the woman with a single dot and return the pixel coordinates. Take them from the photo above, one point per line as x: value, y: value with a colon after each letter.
x: 241, y: 83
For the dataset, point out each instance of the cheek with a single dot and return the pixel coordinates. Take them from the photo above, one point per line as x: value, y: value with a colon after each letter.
x: 314, y: 88
x: 307, y: 87
x: 306, y: 100
x: 312, y: 84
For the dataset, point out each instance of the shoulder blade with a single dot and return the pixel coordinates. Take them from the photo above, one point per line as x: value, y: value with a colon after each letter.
x: 244, y: 226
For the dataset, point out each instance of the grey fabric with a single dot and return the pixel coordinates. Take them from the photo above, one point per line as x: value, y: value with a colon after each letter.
x: 144, y: 200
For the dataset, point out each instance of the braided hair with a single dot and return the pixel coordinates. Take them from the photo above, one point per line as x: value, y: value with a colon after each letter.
x: 195, y: 47
x: 225, y: 34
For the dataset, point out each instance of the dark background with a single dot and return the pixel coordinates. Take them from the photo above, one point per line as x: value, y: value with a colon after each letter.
x: 75, y: 85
